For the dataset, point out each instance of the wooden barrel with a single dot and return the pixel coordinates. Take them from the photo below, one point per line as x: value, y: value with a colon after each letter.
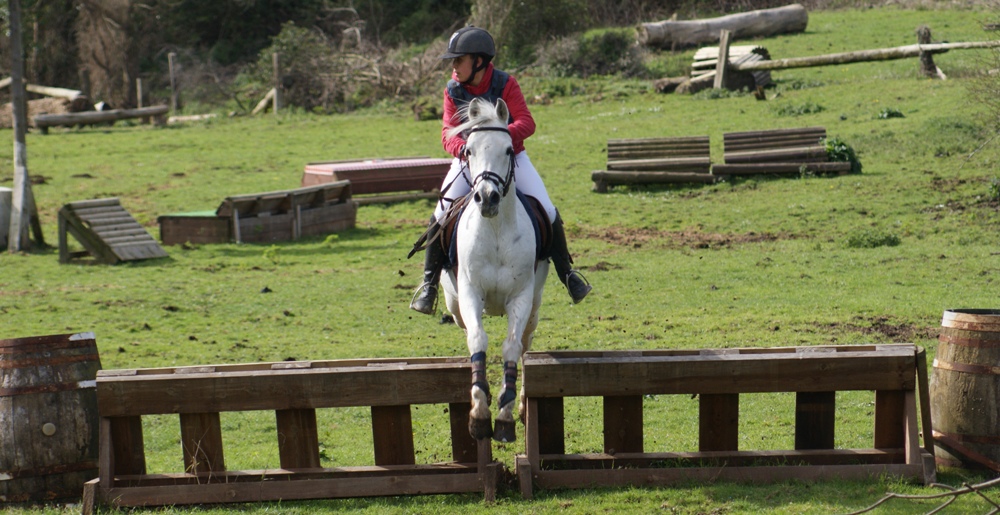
x: 965, y: 389
x: 48, y: 417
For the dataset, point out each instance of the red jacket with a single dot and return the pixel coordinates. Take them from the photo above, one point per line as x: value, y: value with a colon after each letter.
x: 522, y: 126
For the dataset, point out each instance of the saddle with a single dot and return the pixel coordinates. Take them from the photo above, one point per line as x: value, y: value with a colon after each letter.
x: 446, y: 233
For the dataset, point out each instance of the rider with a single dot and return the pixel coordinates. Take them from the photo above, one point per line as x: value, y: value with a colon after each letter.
x: 471, y: 50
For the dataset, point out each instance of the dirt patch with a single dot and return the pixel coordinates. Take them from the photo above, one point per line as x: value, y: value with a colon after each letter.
x: 639, y: 237
x: 884, y: 329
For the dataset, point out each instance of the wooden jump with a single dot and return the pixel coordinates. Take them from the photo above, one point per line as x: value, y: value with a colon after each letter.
x: 106, y: 231
x: 778, y: 151
x: 265, y: 217
x: 383, y: 181
x: 718, y: 377
x: 655, y: 161
x: 294, y: 391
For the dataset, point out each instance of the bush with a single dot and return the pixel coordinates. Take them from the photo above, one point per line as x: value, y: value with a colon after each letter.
x: 838, y: 150
x: 994, y: 193
x: 603, y: 52
x: 871, y: 238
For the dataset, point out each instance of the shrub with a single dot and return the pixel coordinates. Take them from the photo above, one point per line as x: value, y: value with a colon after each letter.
x: 838, y: 150
x: 799, y: 110
x: 994, y: 193
x: 869, y: 238
x: 603, y: 52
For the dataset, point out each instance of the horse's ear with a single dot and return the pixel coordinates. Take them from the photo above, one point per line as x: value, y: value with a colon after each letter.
x: 502, y: 112
x: 474, y: 109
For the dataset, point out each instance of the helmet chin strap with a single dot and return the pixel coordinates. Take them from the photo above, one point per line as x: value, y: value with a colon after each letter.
x: 476, y: 69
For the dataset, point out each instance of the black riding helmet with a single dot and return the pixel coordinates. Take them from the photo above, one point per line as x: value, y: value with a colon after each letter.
x: 474, y: 41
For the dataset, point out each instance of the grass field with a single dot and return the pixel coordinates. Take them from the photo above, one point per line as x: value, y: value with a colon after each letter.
x: 746, y: 263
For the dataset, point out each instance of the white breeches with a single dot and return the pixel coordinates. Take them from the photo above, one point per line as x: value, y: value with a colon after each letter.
x: 525, y: 177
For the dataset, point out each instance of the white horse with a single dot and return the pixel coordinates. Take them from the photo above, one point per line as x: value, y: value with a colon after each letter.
x: 496, y: 271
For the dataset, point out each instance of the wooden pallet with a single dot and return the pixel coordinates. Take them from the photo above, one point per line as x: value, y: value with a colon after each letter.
x: 718, y: 377
x: 777, y: 151
x: 266, y: 217
x: 107, y: 232
x: 655, y: 161
x: 294, y: 391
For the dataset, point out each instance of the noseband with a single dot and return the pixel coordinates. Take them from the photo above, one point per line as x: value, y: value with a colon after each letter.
x: 487, y: 175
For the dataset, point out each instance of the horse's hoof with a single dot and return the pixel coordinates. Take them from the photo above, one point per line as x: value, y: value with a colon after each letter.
x: 480, y: 428
x: 504, y: 431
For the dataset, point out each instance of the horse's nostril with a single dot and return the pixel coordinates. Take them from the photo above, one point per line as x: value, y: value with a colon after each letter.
x: 477, y: 198
x: 494, y: 198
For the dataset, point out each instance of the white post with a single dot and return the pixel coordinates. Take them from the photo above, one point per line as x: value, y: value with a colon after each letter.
x: 22, y: 203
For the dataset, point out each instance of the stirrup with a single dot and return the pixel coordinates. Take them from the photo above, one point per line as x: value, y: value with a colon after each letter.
x: 423, y: 291
x: 582, y: 286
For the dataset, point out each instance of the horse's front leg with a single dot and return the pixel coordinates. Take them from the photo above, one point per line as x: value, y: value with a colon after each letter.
x: 519, y: 317
x: 479, y: 415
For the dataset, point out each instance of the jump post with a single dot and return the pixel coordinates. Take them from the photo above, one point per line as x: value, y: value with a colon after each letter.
x: 294, y: 391
x: 718, y: 376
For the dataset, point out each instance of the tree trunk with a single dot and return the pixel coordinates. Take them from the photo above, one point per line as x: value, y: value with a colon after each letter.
x: 765, y: 22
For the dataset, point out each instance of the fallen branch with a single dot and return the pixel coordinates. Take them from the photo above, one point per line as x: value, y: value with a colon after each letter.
x: 952, y: 492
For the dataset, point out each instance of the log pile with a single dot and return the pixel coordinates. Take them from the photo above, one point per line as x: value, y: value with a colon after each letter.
x: 655, y: 161
x: 777, y: 151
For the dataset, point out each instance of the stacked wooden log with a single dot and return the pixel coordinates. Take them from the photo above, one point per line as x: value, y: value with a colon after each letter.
x: 777, y: 151
x: 655, y: 160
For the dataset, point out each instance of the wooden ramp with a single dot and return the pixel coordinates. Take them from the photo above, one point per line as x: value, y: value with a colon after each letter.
x: 106, y: 231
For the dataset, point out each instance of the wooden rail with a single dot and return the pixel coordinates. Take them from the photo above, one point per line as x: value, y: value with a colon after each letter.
x: 294, y: 391
x: 777, y: 151
x: 718, y: 377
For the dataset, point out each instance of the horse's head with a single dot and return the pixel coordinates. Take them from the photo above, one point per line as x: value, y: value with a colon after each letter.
x: 489, y: 153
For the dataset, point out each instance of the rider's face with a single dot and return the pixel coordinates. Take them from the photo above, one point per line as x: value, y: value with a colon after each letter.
x: 462, y: 66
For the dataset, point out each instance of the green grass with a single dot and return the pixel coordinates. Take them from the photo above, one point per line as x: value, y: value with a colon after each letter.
x: 746, y: 263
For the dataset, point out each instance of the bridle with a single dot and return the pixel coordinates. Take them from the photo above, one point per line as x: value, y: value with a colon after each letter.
x: 502, y: 182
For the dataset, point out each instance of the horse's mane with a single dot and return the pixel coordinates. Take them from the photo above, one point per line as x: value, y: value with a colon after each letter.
x: 486, y: 113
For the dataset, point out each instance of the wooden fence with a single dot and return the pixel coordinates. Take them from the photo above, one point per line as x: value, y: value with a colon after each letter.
x: 718, y: 377
x: 294, y: 391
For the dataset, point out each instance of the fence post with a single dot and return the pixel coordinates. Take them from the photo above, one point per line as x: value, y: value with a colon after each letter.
x: 173, y: 83
x: 276, y: 61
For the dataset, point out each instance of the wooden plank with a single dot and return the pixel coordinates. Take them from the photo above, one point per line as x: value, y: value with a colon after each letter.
x: 779, y: 168
x: 925, y: 401
x: 722, y: 60
x: 392, y: 434
x: 888, y: 369
x: 718, y: 422
x: 298, y: 438
x: 815, y: 416
x: 889, y: 419
x: 770, y: 133
x: 389, y: 385
x: 776, y: 155
x: 910, y: 429
x: 260, y: 491
x: 100, y: 202
x: 201, y: 442
x: 660, y: 164
x: 673, y: 141
x: 666, y: 460
x: 618, y: 178
x: 623, y: 424
x: 556, y: 479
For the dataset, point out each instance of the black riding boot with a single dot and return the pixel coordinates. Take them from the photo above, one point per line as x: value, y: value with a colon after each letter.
x: 574, y: 281
x: 434, y: 259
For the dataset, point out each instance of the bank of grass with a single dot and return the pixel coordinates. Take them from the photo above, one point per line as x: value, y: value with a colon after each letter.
x: 745, y: 263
